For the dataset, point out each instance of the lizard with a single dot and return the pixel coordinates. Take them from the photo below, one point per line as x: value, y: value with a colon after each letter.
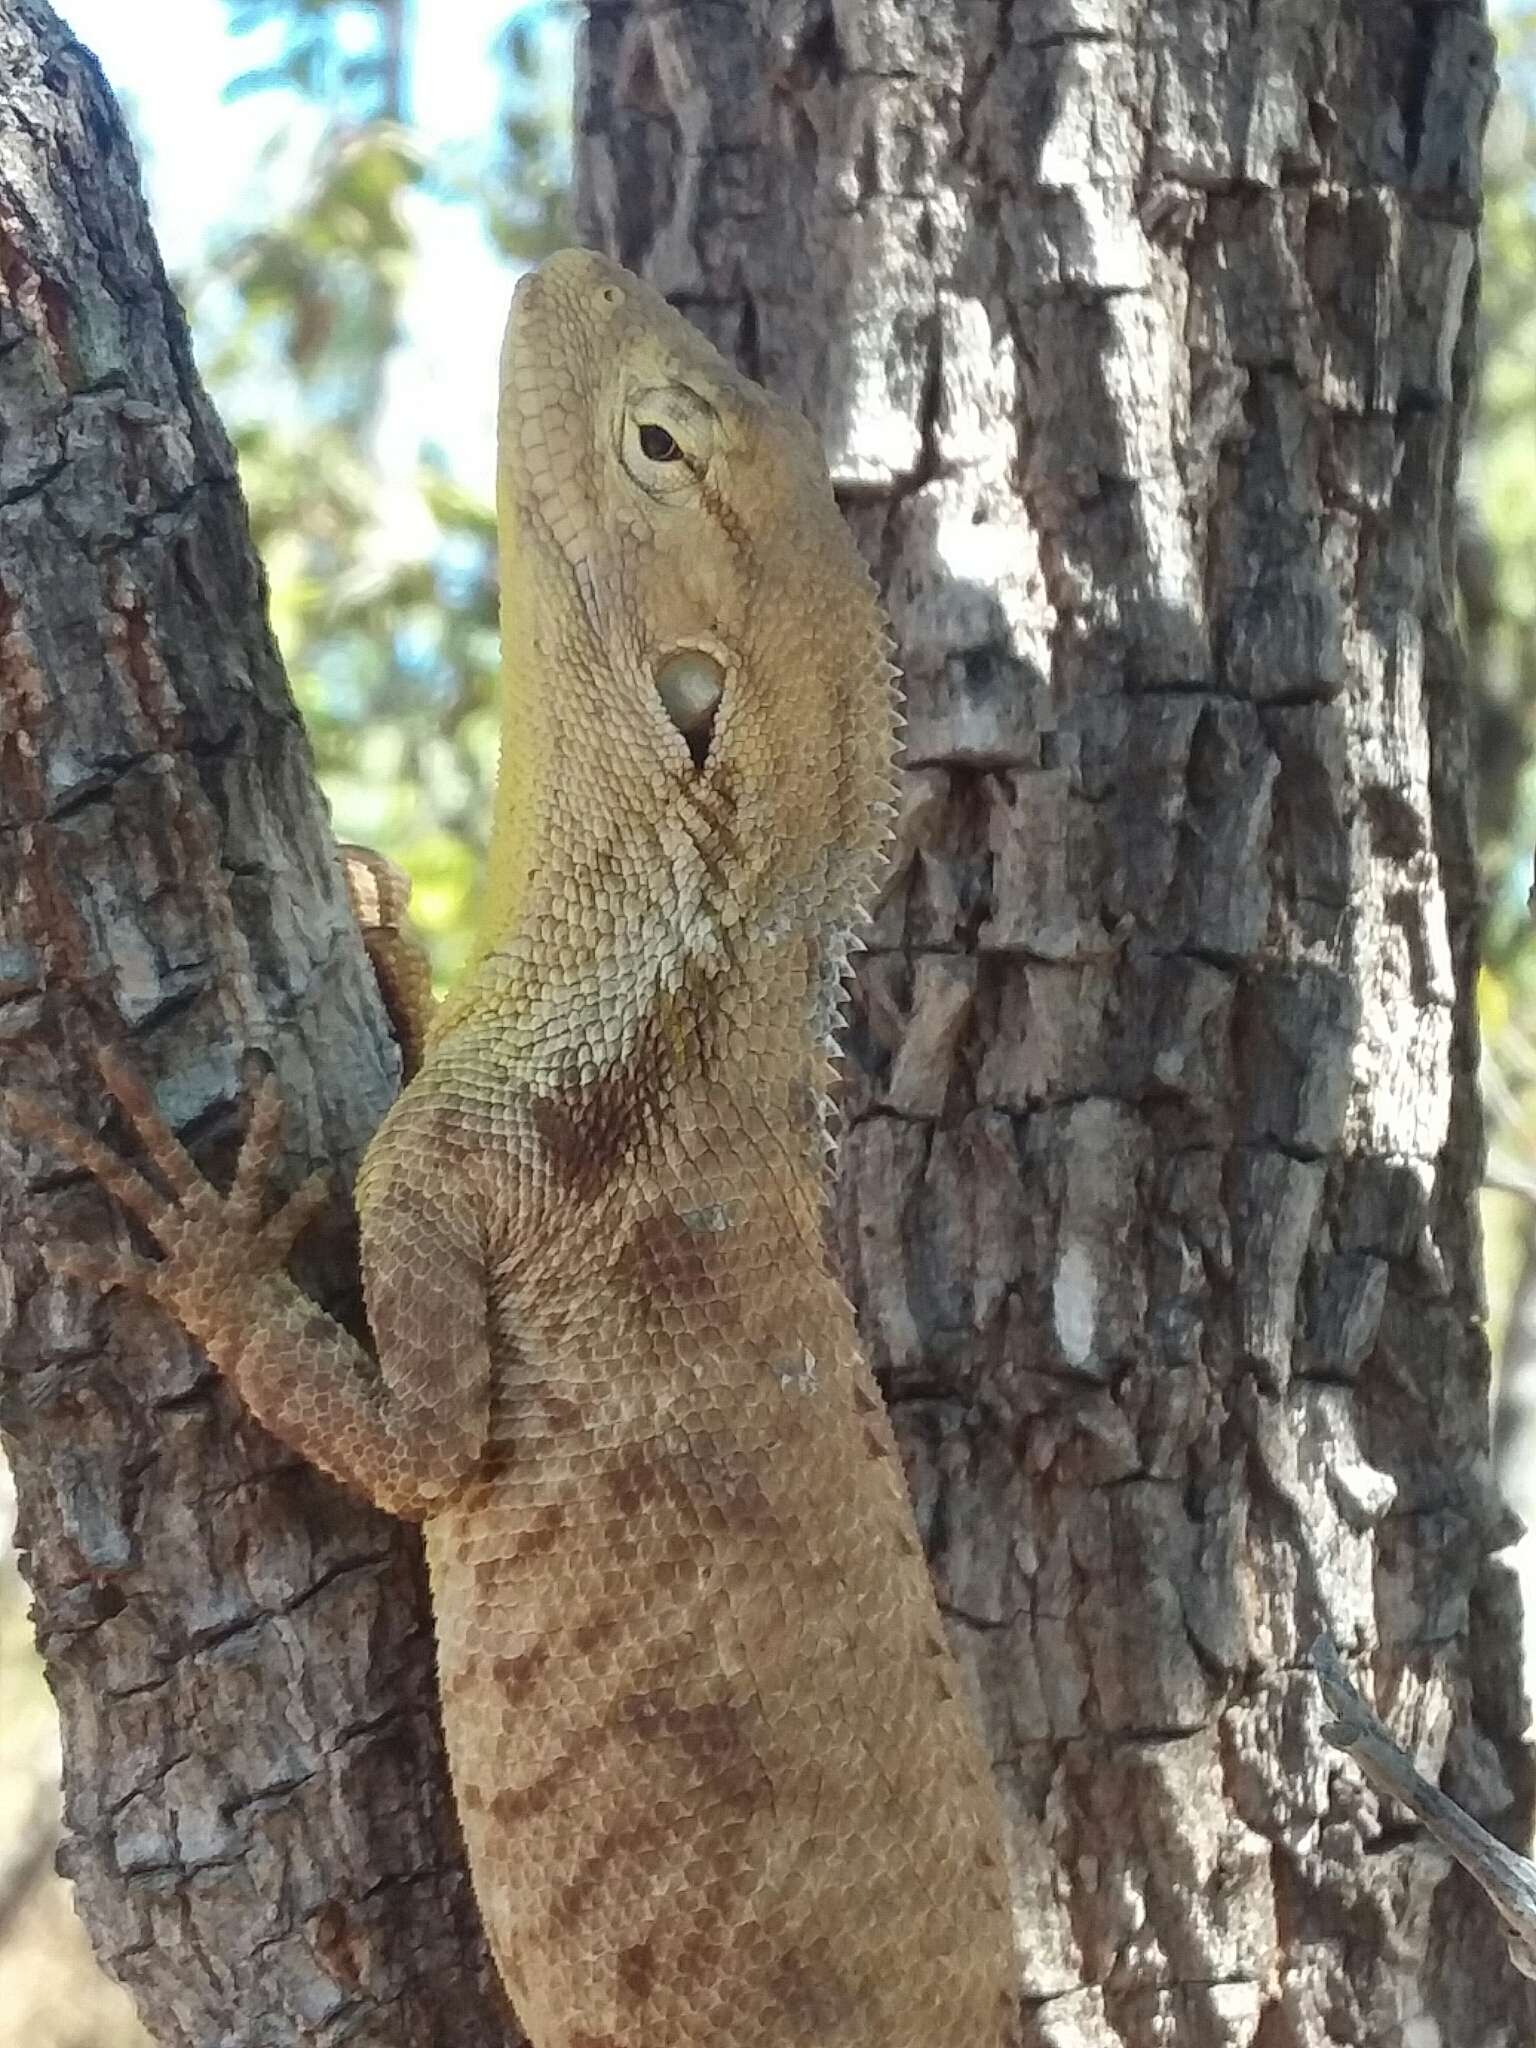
x: 717, y: 1778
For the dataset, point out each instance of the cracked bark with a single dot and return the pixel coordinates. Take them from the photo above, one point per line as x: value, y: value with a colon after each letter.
x: 257, y: 1815
x: 1139, y: 331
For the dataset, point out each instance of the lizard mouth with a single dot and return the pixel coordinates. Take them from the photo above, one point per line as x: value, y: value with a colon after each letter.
x: 690, y: 684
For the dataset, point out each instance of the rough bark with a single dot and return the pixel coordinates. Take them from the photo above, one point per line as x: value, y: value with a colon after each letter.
x: 257, y: 1814
x: 1140, y: 332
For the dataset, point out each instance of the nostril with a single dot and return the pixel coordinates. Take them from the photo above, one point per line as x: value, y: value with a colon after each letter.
x: 690, y: 685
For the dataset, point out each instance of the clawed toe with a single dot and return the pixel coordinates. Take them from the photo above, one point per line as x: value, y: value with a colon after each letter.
x: 194, y: 1212
x: 277, y: 1236
x: 38, y: 1119
x: 162, y: 1147
x: 258, y: 1154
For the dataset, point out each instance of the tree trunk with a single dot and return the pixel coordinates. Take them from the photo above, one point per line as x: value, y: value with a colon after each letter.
x: 1139, y: 331
x: 1139, y: 334
x: 257, y: 1813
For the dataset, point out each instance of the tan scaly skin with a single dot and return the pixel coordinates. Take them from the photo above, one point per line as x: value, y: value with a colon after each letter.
x: 717, y: 1783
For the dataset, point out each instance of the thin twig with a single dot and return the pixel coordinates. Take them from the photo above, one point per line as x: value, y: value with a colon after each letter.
x: 1508, y: 1879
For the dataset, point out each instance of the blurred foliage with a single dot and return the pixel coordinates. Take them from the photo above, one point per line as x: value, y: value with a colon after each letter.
x: 1498, y: 588
x: 1499, y: 553
x: 383, y: 584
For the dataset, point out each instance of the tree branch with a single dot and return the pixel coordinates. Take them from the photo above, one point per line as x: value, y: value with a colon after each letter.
x: 1509, y: 1880
x: 257, y: 1811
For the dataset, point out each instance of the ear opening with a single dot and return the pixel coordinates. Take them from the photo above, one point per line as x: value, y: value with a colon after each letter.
x: 690, y: 685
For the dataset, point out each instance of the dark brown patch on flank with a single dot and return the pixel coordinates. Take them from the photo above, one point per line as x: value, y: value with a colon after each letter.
x: 590, y: 1636
x: 586, y: 1135
x: 521, y: 1670
x: 541, y: 1532
x: 643, y: 1841
x: 704, y: 1485
x: 511, y: 1806
x: 467, y: 1677
x: 864, y: 1403
x: 707, y: 1744
x: 581, y: 1152
x: 640, y: 1479
x: 514, y: 1805
x: 695, y: 1955
x: 811, y: 1994
x: 665, y: 1259
x: 637, y: 1970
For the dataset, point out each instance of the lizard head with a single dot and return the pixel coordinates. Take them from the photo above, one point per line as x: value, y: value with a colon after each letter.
x: 695, y: 663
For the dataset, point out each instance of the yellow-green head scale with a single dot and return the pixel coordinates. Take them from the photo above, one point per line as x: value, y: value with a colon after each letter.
x: 698, y: 718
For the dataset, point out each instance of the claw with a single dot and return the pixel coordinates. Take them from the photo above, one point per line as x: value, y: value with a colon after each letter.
x: 306, y: 1202
x: 257, y: 1152
x: 165, y: 1150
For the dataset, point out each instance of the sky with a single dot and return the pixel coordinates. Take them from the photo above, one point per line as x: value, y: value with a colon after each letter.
x: 202, y: 167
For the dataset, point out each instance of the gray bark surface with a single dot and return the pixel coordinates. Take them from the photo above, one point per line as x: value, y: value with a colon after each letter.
x: 257, y: 1814
x: 1140, y: 331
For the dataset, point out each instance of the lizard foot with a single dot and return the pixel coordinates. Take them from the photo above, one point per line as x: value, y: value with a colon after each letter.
x: 380, y: 896
x: 210, y: 1243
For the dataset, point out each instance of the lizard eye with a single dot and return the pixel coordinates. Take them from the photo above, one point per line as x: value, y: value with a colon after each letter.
x: 668, y: 460
x: 657, y: 445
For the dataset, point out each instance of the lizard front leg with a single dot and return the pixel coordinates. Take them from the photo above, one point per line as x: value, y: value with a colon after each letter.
x: 406, y: 1432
